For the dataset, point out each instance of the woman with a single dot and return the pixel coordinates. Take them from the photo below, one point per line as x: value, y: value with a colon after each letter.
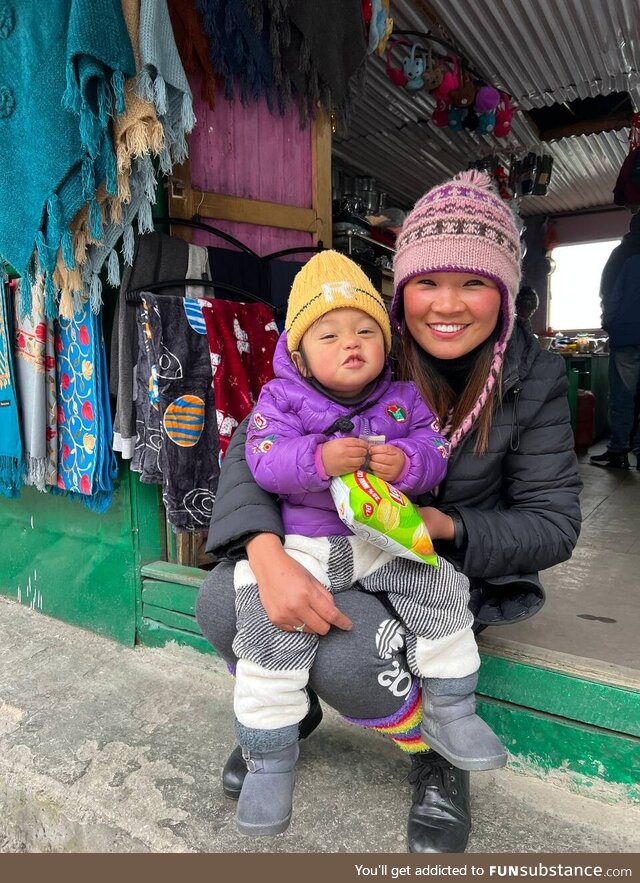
x: 508, y: 506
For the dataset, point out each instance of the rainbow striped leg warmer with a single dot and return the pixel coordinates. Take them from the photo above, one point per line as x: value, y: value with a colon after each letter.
x: 403, y: 727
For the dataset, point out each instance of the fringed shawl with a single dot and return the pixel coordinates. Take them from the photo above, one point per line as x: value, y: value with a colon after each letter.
x: 163, y: 81
x: 239, y: 54
x: 11, y: 455
x: 86, y: 464
x: 53, y: 155
x: 30, y: 364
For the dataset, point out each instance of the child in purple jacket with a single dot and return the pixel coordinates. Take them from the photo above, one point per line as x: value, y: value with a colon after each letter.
x: 333, y: 390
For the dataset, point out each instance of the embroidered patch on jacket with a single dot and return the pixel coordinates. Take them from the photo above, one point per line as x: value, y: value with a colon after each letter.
x: 397, y: 413
x: 443, y: 447
x: 265, y: 445
x: 259, y: 421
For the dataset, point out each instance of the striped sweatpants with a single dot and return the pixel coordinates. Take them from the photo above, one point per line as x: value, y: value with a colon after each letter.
x: 273, y: 665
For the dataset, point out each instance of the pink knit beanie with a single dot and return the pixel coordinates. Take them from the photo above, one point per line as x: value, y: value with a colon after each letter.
x: 462, y: 226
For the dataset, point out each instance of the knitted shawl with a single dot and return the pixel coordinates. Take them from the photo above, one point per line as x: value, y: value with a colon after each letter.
x: 239, y: 54
x: 328, y: 47
x: 65, y: 65
x: 138, y: 135
x: 158, y: 115
x: 318, y: 49
x: 162, y: 80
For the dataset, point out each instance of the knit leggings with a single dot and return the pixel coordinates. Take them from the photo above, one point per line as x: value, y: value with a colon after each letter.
x: 273, y: 667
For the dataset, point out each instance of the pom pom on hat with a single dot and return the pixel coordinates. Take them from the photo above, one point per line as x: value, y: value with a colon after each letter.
x: 329, y: 281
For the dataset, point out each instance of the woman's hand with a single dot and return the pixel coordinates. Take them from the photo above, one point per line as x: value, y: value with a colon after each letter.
x: 342, y: 455
x: 386, y: 461
x: 439, y: 525
x: 290, y: 595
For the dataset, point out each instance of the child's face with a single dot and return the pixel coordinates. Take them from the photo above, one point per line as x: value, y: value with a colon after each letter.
x: 344, y: 351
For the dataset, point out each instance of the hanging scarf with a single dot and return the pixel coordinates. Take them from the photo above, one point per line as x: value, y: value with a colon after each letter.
x: 68, y: 61
x: 86, y: 464
x: 142, y: 187
x: 238, y: 53
x: 11, y: 457
x: 193, y: 47
x: 332, y: 37
x: 156, y: 257
x: 242, y: 339
x: 137, y: 131
x: 138, y: 136
x: 30, y: 346
x: 319, y: 50
x: 51, y: 404
x: 148, y: 440
x: 162, y: 81
x: 180, y: 386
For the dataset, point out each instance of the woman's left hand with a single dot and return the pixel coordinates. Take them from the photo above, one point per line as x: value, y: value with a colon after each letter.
x: 439, y: 525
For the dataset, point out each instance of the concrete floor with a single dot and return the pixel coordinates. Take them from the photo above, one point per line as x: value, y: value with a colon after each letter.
x: 105, y: 748
x: 592, y: 608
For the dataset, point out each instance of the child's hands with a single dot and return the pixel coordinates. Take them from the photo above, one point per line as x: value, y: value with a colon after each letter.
x: 386, y: 461
x: 342, y: 455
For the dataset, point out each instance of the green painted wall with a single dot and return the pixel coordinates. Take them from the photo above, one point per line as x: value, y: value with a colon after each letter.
x: 68, y: 562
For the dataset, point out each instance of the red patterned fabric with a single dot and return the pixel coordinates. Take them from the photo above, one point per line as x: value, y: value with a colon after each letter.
x: 242, y: 339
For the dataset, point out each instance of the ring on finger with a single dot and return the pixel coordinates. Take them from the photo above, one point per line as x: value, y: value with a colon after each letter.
x: 299, y: 628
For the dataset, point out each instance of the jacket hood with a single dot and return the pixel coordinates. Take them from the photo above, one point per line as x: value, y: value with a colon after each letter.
x: 520, y: 354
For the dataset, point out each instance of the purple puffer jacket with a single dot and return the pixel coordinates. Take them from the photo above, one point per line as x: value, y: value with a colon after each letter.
x: 289, y: 423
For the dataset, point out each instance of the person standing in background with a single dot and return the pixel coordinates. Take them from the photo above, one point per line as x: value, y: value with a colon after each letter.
x: 620, y: 299
x: 527, y: 302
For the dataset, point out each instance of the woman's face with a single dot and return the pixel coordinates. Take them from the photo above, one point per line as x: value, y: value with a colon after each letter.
x: 450, y: 314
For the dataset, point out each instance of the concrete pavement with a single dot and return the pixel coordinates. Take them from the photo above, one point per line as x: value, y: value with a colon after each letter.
x: 104, y: 748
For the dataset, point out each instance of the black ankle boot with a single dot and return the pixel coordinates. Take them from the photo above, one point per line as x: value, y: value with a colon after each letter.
x: 610, y: 461
x: 235, y: 769
x: 440, y: 817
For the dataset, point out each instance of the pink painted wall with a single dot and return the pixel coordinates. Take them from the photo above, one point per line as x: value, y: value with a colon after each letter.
x: 248, y: 152
x: 591, y: 226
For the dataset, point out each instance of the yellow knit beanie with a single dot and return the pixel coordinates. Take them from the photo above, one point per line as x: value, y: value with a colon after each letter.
x: 328, y: 281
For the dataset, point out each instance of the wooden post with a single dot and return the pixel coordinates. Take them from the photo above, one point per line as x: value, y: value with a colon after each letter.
x: 321, y: 170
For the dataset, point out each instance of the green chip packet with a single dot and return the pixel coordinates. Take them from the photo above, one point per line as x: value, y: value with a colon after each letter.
x: 381, y: 514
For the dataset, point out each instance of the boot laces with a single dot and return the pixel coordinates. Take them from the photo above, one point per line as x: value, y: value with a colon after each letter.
x: 430, y: 770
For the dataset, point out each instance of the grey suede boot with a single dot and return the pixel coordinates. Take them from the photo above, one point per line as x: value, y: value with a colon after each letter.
x: 451, y: 726
x: 264, y: 807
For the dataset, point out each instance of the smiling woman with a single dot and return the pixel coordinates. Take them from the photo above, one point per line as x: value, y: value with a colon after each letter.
x: 507, y: 506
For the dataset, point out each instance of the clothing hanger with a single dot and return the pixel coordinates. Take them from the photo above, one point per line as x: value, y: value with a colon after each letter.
x: 133, y: 296
x: 284, y: 251
x: 197, y: 224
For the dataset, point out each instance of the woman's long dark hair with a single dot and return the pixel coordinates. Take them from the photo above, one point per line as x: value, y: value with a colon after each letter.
x: 441, y: 398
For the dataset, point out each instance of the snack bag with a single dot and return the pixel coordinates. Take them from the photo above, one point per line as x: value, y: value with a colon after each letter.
x: 381, y: 514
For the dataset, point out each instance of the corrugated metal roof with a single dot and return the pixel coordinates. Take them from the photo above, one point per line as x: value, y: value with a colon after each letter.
x: 540, y: 52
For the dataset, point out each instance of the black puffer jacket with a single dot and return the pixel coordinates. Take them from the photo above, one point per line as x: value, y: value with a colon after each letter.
x: 519, y: 501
